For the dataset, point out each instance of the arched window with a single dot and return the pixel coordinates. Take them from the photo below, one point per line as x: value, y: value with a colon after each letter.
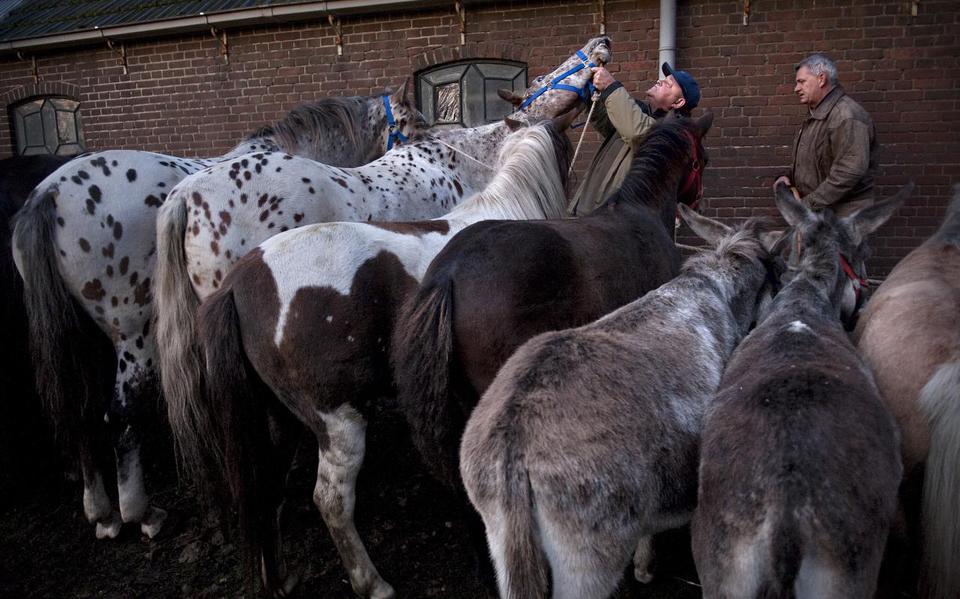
x: 464, y: 93
x: 48, y: 126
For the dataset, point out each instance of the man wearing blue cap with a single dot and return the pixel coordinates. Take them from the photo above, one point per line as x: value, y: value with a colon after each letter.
x: 622, y: 120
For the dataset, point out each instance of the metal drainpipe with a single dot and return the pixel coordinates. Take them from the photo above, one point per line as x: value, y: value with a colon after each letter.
x: 668, y: 34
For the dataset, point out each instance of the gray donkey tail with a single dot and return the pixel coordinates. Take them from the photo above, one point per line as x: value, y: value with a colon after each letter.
x: 230, y: 436
x: 181, y: 361
x: 57, y: 324
x: 940, y: 401
x: 498, y: 484
x: 422, y: 355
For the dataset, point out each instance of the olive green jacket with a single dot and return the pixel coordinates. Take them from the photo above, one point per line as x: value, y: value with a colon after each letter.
x: 621, y: 120
x: 835, y: 155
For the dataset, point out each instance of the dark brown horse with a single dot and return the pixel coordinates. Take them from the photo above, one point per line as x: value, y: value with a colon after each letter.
x: 498, y: 284
x: 909, y: 335
x: 799, y: 462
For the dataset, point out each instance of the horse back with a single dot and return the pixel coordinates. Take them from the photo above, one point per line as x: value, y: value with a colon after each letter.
x: 513, y: 280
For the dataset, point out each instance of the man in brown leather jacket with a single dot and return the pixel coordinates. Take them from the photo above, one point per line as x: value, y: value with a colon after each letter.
x: 835, y: 151
x: 622, y: 120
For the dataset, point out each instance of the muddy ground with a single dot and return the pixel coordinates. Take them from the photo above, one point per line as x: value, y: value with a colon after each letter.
x: 408, y: 522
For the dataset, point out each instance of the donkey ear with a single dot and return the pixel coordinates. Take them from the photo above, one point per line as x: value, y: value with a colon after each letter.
x: 562, y: 122
x: 866, y: 221
x: 512, y: 124
x: 510, y: 96
x: 705, y: 228
x: 704, y: 123
x: 792, y: 209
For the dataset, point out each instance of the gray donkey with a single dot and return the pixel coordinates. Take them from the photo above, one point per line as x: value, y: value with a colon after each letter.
x: 586, y: 443
x: 800, y: 459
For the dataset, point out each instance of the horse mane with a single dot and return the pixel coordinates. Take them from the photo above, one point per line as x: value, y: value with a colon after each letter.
x: 949, y: 231
x: 311, y: 123
x: 656, y: 159
x: 531, y: 179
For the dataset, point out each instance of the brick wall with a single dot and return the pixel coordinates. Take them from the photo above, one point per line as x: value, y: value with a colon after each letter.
x: 180, y: 98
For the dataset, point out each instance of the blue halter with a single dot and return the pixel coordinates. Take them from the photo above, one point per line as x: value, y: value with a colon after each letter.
x: 396, y: 136
x: 585, y: 92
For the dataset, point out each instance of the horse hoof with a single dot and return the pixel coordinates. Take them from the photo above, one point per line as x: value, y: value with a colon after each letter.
x: 643, y: 576
x: 109, y: 528
x: 153, y: 521
x: 382, y: 590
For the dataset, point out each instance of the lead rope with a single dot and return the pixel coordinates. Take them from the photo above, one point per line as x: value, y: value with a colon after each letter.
x: 459, y: 151
x: 576, y: 151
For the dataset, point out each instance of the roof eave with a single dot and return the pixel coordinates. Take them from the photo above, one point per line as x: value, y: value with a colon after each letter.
x: 248, y: 17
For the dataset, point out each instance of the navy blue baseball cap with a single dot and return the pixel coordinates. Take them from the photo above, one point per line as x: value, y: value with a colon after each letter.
x: 689, y: 86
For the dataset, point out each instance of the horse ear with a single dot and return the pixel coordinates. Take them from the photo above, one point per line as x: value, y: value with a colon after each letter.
x: 400, y: 96
x: 512, y: 124
x: 792, y: 209
x: 704, y: 123
x: 562, y: 122
x: 869, y: 219
x: 705, y: 228
x: 510, y: 96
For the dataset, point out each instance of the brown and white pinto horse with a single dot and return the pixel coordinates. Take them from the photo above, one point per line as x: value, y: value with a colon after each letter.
x: 498, y: 284
x: 909, y: 333
x: 585, y: 444
x: 799, y: 465
x: 306, y: 319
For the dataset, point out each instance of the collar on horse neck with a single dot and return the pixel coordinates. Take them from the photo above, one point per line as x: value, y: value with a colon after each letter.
x: 585, y: 92
x: 694, y: 177
x: 396, y: 135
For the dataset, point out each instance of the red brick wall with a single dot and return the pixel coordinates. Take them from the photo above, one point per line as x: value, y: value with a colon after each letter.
x: 180, y: 98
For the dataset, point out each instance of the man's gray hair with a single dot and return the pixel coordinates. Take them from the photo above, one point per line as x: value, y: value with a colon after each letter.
x: 820, y: 64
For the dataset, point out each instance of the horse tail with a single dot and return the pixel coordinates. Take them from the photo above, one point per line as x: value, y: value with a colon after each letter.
x: 229, y: 431
x: 181, y: 360
x: 57, y: 324
x: 422, y: 355
x: 940, y: 400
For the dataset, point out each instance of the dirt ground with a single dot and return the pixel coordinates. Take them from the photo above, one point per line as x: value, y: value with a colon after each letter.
x: 409, y: 525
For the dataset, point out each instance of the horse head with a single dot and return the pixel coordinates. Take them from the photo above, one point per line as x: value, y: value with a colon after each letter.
x: 557, y: 91
x: 691, y: 188
x: 752, y: 242
x: 832, y: 251
x: 403, y: 119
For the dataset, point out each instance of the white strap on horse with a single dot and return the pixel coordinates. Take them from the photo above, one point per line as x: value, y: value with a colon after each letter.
x: 459, y: 151
x: 576, y: 151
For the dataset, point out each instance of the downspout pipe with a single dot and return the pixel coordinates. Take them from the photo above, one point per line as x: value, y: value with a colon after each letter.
x: 668, y: 34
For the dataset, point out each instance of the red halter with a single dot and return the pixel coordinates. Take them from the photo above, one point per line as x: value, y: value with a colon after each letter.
x: 694, y: 177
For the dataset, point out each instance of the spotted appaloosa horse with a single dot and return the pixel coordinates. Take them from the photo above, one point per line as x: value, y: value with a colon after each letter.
x: 498, y: 284
x: 585, y: 443
x: 303, y: 323
x: 86, y: 243
x: 799, y: 463
x: 908, y: 334
x: 216, y: 216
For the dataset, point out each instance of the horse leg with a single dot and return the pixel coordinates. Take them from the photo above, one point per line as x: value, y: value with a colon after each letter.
x: 342, y: 446
x: 642, y: 557
x: 97, y: 506
x: 131, y: 390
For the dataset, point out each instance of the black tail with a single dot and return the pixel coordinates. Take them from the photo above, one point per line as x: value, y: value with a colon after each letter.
x: 60, y: 332
x: 238, y: 432
x: 422, y: 355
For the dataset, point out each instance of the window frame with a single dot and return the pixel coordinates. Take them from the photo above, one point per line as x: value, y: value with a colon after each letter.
x: 21, y: 133
x: 433, y: 79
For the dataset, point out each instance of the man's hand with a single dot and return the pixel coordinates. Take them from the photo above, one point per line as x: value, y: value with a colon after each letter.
x: 602, y: 78
x: 782, y: 179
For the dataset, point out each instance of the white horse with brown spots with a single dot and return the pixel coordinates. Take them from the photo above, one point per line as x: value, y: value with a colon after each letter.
x: 85, y: 245
x: 303, y: 323
x: 217, y: 215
